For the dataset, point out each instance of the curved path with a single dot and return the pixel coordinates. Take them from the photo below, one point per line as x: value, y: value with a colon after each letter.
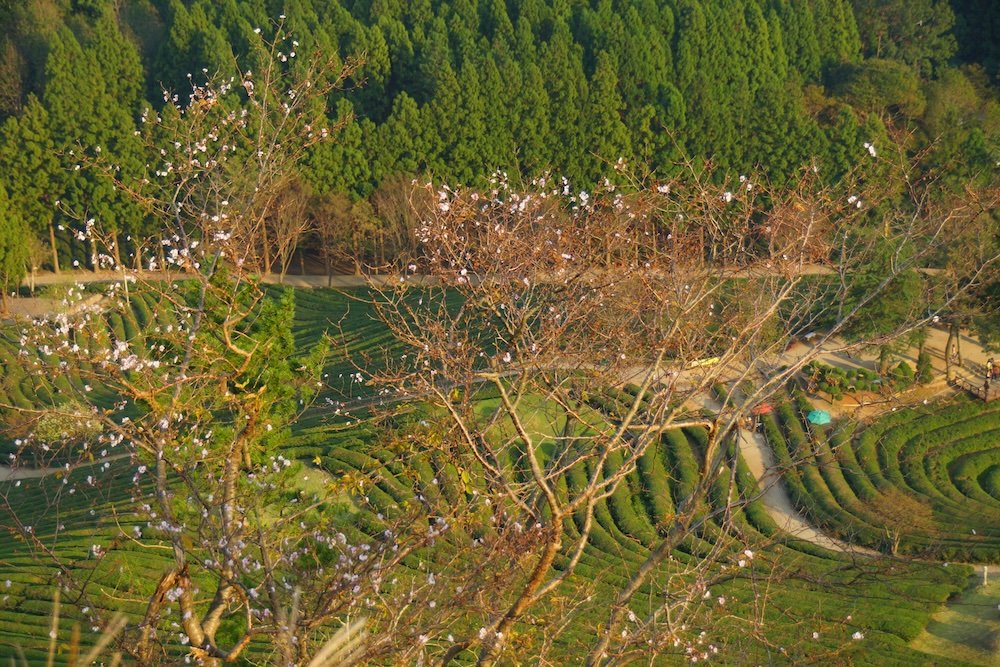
x: 10, y: 474
x: 778, y: 505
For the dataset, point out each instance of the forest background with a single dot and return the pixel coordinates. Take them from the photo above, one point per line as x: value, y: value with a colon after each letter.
x: 456, y: 90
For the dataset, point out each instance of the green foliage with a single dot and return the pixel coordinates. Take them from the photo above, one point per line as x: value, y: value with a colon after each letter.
x: 880, y: 86
x: 626, y: 523
x: 13, y: 246
x: 896, y: 298
x: 461, y: 91
x: 71, y: 424
x: 903, y: 375
x: 923, y: 477
x: 915, y: 32
x: 836, y: 381
x: 925, y: 371
x: 30, y: 166
x: 976, y: 23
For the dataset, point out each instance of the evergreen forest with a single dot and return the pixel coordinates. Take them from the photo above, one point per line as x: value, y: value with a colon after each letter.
x: 456, y: 90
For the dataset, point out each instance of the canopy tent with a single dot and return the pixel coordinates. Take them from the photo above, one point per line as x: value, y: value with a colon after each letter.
x: 818, y: 417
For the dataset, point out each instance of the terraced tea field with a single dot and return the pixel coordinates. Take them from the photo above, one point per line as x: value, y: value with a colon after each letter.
x: 924, y: 480
x: 816, y: 590
x: 765, y: 612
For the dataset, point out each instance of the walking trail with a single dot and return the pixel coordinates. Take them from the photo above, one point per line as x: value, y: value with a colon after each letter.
x: 779, y: 506
x: 10, y: 474
x: 759, y: 458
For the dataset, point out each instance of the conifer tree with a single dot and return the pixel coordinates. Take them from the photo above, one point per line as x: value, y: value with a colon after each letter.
x: 13, y: 248
x: 607, y: 136
x: 401, y: 145
x: 496, y: 22
x: 340, y: 166
x: 801, y: 41
x: 532, y: 131
x: 497, y: 146
x: 91, y: 123
x: 567, y: 88
x: 32, y: 171
x: 693, y: 76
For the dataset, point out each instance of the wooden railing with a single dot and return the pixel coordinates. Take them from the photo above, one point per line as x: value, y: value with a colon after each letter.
x: 981, y: 390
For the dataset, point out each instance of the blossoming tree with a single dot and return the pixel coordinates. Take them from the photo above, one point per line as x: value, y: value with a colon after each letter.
x: 523, y: 309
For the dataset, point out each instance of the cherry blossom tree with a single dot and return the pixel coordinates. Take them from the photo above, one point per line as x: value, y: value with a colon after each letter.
x: 199, y: 402
x: 542, y: 303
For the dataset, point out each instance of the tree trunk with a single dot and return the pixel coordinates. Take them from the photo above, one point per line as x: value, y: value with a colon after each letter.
x: 93, y: 254
x: 266, y: 269
x: 52, y: 246
x: 163, y: 256
x: 116, y: 252
x: 492, y: 646
x: 884, y: 361
x: 947, y: 353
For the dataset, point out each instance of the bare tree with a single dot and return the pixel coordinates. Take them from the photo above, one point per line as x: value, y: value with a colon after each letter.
x: 536, y: 304
x: 330, y: 215
x: 289, y: 222
x: 903, y: 515
x: 399, y: 203
x: 345, y: 230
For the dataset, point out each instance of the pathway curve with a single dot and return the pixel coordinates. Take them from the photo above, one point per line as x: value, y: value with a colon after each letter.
x: 12, y: 473
x: 776, y: 502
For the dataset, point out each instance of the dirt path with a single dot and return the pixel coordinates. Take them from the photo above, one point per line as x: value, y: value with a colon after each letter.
x: 311, y: 279
x: 779, y: 506
x: 9, y: 474
x: 777, y: 503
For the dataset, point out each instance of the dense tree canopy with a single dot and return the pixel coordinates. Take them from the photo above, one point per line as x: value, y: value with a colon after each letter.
x: 459, y: 89
x: 13, y: 253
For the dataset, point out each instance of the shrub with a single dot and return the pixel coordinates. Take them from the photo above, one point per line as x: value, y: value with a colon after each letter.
x: 72, y: 423
x: 902, y: 375
x: 925, y: 372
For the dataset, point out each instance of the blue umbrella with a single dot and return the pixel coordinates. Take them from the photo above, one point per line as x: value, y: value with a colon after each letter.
x: 818, y: 417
